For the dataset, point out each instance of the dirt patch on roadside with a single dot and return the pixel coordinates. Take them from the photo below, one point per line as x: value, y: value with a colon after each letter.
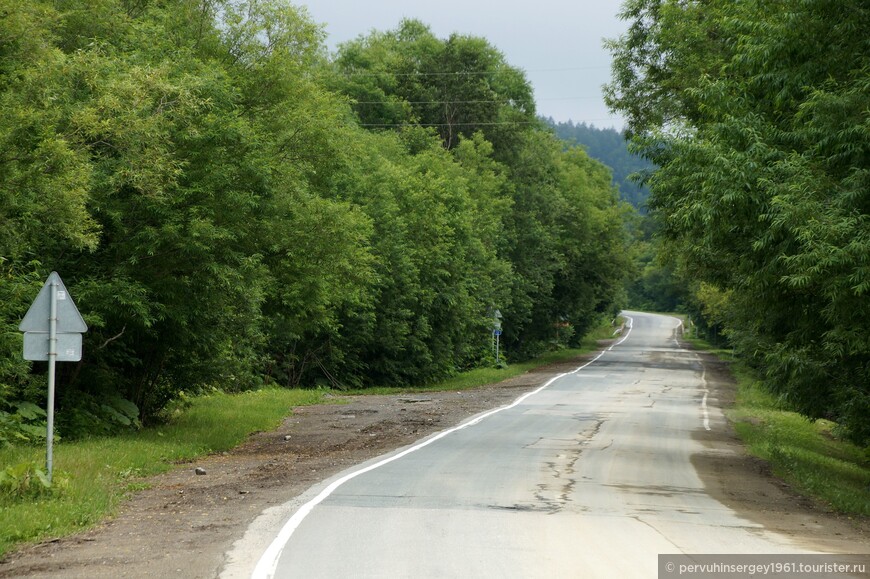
x: 185, y: 523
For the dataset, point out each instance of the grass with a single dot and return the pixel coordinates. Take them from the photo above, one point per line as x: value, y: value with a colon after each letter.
x: 94, y: 475
x: 805, y: 453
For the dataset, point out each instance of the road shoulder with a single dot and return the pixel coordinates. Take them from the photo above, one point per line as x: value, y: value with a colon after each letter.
x: 746, y: 484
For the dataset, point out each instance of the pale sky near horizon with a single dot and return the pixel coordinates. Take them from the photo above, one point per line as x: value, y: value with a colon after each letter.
x: 558, y: 43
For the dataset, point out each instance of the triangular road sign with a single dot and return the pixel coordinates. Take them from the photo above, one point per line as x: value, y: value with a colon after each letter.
x: 69, y: 320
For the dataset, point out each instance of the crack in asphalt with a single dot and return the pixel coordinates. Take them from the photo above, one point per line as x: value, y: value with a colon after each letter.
x: 556, y: 495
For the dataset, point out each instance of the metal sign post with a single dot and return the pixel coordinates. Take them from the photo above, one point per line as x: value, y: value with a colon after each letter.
x: 496, y: 333
x: 52, y: 321
x: 52, y: 362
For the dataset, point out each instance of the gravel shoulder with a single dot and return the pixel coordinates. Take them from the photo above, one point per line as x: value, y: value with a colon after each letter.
x: 185, y: 523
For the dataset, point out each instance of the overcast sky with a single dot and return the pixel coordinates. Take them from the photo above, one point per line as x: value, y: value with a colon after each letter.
x: 557, y: 42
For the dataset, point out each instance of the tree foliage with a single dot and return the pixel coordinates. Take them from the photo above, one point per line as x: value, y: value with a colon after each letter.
x: 560, y: 231
x: 457, y: 86
x: 231, y: 208
x: 756, y: 113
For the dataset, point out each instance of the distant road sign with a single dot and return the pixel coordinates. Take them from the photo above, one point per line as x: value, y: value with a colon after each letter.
x: 496, y: 332
x: 69, y: 320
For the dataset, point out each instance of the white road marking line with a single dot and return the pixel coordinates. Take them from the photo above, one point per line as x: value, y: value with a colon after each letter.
x: 704, y: 411
x: 268, y: 563
x: 595, y: 359
x: 704, y: 399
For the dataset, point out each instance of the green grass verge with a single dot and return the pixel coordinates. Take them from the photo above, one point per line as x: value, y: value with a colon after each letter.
x: 805, y: 453
x: 94, y: 475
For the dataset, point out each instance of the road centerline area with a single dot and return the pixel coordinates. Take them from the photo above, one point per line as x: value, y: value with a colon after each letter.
x: 266, y: 566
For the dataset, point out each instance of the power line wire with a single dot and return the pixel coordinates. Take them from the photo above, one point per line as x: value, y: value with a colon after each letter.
x: 472, y: 72
x: 472, y: 124
x: 464, y: 102
x: 488, y: 124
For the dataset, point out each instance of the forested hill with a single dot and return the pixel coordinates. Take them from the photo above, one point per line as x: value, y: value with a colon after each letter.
x: 231, y: 206
x: 610, y: 147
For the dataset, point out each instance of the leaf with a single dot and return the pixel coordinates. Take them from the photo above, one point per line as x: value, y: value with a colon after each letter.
x: 29, y: 411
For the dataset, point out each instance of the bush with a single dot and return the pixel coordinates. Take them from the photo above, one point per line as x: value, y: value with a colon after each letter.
x: 88, y: 415
x: 25, y: 423
x: 26, y: 480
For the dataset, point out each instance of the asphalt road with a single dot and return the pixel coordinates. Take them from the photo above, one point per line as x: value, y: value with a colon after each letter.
x: 588, y: 477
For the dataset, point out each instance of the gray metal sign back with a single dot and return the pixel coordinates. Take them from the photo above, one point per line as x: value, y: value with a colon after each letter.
x: 69, y: 320
x: 68, y: 347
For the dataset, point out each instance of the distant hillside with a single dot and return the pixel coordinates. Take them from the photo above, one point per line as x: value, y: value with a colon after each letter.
x: 609, y: 147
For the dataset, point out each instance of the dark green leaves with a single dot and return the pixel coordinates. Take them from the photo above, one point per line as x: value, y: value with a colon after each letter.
x: 229, y: 208
x: 756, y: 113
